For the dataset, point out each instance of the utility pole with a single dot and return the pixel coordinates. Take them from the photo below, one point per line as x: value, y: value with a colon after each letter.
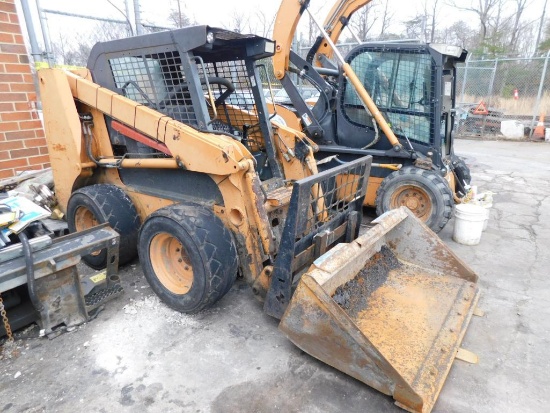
x: 137, y: 13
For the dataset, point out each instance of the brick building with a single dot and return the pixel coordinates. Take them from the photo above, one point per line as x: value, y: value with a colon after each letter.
x: 22, y: 142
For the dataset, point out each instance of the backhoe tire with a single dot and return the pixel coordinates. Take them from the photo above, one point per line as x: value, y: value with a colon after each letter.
x: 96, y: 204
x: 188, y: 256
x: 424, y: 192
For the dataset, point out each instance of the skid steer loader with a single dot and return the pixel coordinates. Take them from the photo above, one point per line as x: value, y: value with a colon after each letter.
x: 147, y: 140
x: 393, y: 100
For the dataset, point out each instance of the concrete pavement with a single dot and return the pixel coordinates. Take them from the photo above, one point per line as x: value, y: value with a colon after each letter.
x: 140, y: 356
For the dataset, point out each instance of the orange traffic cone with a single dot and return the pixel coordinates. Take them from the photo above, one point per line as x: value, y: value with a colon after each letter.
x: 538, y: 133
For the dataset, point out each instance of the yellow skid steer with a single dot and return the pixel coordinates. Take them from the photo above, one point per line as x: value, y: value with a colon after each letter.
x: 154, y: 140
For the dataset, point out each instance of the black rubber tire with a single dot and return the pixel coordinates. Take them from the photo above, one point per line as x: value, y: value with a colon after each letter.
x: 461, y: 170
x: 433, y: 185
x: 209, y: 247
x: 107, y: 203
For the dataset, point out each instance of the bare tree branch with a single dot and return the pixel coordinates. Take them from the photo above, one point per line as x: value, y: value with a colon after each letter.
x: 130, y: 30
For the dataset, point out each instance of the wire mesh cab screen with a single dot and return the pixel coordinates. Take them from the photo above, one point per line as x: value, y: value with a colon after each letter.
x: 402, y: 86
x: 155, y: 80
x: 158, y: 81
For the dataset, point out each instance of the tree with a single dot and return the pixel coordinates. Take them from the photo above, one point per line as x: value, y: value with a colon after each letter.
x: 264, y: 24
x: 483, y: 9
x: 77, y: 52
x: 460, y: 34
x: 312, y: 29
x: 363, y: 20
x: 541, y: 24
x: 414, y: 28
x: 544, y: 46
x: 434, y: 10
x: 238, y: 22
x: 387, y: 16
x: 423, y: 26
x: 178, y: 17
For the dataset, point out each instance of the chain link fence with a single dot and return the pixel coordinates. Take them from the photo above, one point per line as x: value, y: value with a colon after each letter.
x: 494, y: 98
x: 502, y: 97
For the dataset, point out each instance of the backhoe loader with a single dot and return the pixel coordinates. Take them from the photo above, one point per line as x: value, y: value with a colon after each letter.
x: 202, y: 188
x: 393, y: 100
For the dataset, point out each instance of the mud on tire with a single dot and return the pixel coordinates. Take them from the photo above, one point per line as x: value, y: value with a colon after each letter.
x: 424, y: 192
x: 96, y: 204
x: 188, y: 256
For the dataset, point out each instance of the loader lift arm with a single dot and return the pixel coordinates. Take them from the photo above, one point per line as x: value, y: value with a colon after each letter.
x: 284, y: 32
x: 285, y: 28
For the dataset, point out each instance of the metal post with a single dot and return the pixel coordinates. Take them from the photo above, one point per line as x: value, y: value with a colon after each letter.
x: 137, y: 13
x: 464, y: 79
x: 180, y: 25
x: 127, y: 16
x: 539, y: 94
x: 489, y: 95
x: 45, y: 35
x: 491, y: 85
x: 35, y: 50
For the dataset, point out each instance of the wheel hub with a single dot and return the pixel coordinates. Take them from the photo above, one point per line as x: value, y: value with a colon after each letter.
x: 171, y: 263
x: 414, y: 198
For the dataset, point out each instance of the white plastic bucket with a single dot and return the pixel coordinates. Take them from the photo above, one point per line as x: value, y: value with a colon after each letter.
x: 547, y: 134
x: 469, y: 221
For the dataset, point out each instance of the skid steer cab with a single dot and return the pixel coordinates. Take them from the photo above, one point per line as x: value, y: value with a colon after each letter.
x: 153, y: 139
x: 413, y: 86
x: 392, y: 100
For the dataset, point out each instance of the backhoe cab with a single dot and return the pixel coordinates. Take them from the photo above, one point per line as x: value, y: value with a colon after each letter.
x: 412, y: 86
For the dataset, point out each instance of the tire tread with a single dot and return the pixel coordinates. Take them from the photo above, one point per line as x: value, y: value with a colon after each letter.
x: 118, y: 210
x: 215, y: 244
x: 438, y: 182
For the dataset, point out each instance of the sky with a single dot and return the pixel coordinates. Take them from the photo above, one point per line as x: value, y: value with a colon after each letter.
x: 214, y: 12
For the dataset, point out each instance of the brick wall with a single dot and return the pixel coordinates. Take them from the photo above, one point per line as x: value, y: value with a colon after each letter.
x: 22, y: 143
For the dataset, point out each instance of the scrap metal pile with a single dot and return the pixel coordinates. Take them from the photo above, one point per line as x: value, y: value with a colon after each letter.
x: 39, y: 280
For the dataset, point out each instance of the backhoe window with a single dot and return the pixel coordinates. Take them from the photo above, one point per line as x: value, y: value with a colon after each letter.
x: 401, y: 86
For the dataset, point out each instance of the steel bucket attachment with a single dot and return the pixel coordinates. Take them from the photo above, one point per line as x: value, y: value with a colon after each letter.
x: 390, y: 309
